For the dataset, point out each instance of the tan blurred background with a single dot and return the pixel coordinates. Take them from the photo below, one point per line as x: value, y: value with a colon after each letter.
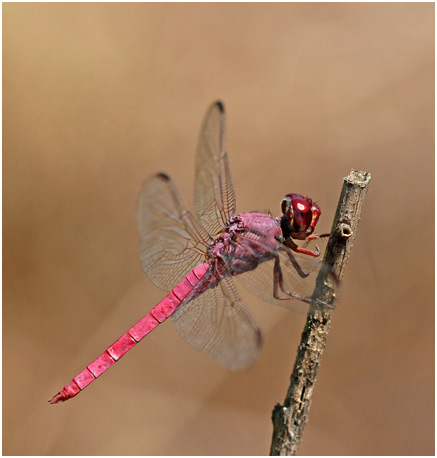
x: 96, y: 98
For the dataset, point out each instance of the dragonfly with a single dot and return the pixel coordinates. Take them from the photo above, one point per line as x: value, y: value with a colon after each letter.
x: 196, y: 258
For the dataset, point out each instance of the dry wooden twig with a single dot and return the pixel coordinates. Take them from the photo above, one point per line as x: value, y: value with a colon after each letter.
x: 290, y: 418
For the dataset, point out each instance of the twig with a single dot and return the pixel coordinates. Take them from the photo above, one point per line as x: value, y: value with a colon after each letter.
x: 290, y: 418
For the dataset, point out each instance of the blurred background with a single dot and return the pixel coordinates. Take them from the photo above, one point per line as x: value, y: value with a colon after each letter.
x: 96, y: 98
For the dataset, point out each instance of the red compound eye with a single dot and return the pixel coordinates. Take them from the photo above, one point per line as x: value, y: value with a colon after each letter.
x: 302, y: 212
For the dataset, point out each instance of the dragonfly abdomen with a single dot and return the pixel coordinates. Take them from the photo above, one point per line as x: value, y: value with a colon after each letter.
x: 128, y: 340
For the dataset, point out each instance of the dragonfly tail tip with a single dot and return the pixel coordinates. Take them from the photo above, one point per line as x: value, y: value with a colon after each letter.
x: 60, y: 397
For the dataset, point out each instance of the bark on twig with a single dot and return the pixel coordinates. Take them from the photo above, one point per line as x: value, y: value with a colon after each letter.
x: 290, y: 418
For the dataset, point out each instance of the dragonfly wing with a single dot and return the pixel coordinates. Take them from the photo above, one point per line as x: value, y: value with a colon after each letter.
x: 217, y: 323
x: 172, y: 241
x: 299, y: 273
x: 214, y: 196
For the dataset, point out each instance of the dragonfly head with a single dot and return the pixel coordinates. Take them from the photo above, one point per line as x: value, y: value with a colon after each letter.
x: 299, y: 216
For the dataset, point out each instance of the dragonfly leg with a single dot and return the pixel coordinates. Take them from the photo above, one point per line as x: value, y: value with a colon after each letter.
x: 298, y: 249
x: 296, y: 265
x: 314, y: 237
x: 278, y: 284
x: 323, y: 304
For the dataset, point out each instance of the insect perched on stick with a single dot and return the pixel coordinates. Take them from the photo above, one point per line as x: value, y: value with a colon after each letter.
x: 196, y: 258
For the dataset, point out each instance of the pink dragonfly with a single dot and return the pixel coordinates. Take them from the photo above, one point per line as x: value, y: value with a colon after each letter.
x: 195, y: 259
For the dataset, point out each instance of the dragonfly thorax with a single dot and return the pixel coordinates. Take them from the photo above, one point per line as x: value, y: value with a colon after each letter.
x: 221, y: 245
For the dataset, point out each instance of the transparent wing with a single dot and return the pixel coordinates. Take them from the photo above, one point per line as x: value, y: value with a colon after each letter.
x: 172, y: 241
x: 298, y: 273
x: 217, y: 323
x: 214, y: 196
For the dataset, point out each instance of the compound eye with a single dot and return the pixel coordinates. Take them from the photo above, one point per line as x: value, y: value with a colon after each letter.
x: 302, y: 213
